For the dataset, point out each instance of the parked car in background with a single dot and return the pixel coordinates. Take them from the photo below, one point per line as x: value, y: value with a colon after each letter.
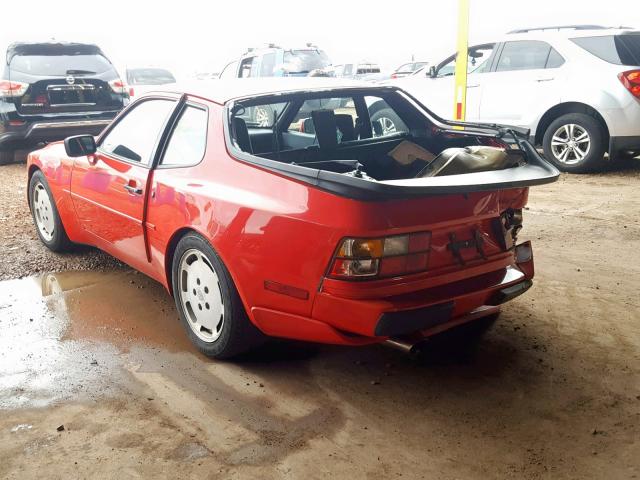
x: 275, y: 61
x: 344, y: 236
x: 362, y: 70
x: 143, y: 79
x: 52, y: 90
x: 577, y: 89
x: 407, y: 69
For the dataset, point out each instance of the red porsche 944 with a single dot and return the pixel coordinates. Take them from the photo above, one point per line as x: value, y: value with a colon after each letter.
x: 307, y: 209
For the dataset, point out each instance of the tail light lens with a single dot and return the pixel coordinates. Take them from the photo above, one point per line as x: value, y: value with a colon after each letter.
x: 118, y: 86
x: 365, y: 258
x: 631, y: 81
x: 394, y: 75
x: 12, y: 89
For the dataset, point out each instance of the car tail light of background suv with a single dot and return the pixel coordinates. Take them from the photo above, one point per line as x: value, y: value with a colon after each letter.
x: 12, y: 89
x: 118, y: 86
x: 631, y: 81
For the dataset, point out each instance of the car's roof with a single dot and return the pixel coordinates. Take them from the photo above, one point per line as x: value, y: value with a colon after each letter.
x: 222, y: 91
x: 535, y: 34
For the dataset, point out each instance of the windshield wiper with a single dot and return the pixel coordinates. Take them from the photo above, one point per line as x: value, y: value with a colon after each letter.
x: 79, y: 72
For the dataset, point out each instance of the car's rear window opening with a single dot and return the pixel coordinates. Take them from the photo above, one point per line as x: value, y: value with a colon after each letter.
x: 376, y: 137
x: 59, y: 60
x: 617, y: 49
x: 60, y: 65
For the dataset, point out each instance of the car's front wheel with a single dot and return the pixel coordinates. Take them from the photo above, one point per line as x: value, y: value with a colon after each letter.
x: 208, y: 302
x: 45, y: 215
x: 576, y: 143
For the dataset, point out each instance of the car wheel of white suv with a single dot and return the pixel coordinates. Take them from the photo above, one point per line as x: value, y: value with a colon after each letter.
x: 575, y: 142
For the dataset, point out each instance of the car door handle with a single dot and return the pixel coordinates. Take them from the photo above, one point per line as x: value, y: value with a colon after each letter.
x: 544, y: 79
x: 473, y: 86
x: 132, y: 189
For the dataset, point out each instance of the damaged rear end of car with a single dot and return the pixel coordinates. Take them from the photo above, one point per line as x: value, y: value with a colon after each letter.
x: 429, y: 210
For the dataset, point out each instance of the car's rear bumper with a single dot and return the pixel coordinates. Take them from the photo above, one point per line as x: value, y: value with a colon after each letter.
x: 352, y: 321
x: 49, y: 130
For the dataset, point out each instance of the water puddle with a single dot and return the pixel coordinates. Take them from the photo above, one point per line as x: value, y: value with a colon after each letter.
x: 62, y: 332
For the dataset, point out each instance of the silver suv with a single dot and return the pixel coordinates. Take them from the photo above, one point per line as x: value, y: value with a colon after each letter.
x: 577, y: 89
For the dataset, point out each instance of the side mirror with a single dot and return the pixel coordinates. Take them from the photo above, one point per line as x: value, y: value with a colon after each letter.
x: 80, y: 145
x: 307, y: 126
x: 432, y: 71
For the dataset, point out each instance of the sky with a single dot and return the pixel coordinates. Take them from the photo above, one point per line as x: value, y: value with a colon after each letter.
x: 202, y: 36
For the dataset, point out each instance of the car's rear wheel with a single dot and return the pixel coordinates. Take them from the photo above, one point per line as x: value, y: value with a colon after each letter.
x: 576, y: 143
x: 208, y: 302
x: 45, y: 215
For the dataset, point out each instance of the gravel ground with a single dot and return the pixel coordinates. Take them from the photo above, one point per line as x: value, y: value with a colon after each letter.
x: 22, y: 252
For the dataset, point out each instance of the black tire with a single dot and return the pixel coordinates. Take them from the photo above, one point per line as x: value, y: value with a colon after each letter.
x: 6, y: 157
x: 594, y: 160
x: 237, y: 334
x: 59, y: 241
x: 381, y: 122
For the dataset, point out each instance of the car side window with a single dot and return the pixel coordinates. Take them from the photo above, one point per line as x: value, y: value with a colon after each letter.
x: 188, y: 140
x: 523, y: 55
x: 555, y: 60
x: 477, y: 62
x: 245, y: 67
x: 267, y: 65
x: 134, y: 136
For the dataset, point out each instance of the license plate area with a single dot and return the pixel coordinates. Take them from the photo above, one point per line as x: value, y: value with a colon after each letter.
x: 65, y: 95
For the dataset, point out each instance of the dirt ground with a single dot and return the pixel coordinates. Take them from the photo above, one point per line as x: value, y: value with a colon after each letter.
x: 551, y: 391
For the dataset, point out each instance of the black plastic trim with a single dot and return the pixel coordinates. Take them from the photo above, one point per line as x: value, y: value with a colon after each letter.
x: 392, y: 324
x: 509, y: 293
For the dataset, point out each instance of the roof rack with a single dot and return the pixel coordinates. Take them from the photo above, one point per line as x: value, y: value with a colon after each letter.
x: 563, y: 27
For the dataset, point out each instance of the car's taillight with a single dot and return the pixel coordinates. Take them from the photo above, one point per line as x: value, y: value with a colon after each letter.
x: 362, y: 258
x: 631, y: 81
x: 394, y: 75
x: 12, y: 89
x: 118, y: 86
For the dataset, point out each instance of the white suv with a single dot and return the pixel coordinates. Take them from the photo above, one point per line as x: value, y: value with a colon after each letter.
x: 576, y: 88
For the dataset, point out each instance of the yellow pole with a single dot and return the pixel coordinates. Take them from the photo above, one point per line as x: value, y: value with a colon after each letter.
x: 460, y: 99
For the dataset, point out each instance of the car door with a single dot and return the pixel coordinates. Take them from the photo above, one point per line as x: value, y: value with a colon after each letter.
x: 108, y: 188
x: 438, y: 92
x: 523, y: 83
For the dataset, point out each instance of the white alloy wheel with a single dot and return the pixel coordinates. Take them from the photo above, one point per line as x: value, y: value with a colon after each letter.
x: 200, y: 295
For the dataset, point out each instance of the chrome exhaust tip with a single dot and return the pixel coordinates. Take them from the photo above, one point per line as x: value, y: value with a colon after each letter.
x: 410, y: 347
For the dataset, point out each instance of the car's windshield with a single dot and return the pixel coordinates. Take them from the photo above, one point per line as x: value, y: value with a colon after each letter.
x: 60, y: 64
x: 149, y: 76
x: 301, y: 61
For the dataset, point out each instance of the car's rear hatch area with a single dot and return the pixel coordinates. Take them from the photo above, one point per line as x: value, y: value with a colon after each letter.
x: 64, y: 79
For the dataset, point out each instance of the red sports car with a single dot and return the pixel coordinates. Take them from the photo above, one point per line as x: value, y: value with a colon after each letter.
x: 306, y: 209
